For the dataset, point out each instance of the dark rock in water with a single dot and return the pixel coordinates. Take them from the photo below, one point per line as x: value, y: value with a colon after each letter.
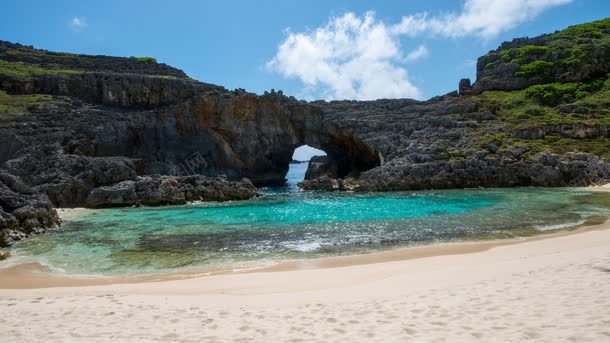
x: 320, y: 165
x: 119, y: 194
x: 4, y: 255
x: 325, y: 183
x: 170, y: 190
x: 321, y: 183
x: 174, y: 190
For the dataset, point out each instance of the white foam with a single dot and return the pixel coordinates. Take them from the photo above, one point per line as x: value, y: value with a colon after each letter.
x: 558, y: 226
x: 304, y: 247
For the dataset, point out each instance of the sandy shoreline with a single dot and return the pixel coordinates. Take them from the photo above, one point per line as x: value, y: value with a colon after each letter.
x: 554, y: 288
x: 34, y: 275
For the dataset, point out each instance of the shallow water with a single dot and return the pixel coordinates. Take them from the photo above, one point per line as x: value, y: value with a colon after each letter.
x: 286, y: 224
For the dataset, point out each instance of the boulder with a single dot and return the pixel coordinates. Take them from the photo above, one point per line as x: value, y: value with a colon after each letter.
x: 119, y: 194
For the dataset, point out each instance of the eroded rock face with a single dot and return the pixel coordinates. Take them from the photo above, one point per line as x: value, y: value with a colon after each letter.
x: 236, y: 134
x: 68, y: 179
x: 545, y: 170
x: 22, y: 210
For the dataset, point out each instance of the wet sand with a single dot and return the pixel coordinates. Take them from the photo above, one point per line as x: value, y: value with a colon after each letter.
x: 548, y: 288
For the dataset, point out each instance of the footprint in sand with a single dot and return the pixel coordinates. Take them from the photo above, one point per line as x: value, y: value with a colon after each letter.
x: 410, y: 331
x: 477, y: 334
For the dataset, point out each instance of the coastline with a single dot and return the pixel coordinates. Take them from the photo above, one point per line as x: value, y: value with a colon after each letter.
x: 31, y: 275
x: 552, y: 287
x: 23, y: 274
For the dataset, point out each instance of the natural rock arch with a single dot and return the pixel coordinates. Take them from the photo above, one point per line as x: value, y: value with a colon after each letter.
x: 237, y: 134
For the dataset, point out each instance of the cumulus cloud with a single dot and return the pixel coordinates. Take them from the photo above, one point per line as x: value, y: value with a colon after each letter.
x: 360, y: 57
x: 78, y: 23
x: 350, y: 58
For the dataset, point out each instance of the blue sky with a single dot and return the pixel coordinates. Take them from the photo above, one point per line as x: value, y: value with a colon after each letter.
x: 331, y: 49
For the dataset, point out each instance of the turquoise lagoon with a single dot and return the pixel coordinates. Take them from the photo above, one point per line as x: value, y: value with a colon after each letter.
x: 288, y: 224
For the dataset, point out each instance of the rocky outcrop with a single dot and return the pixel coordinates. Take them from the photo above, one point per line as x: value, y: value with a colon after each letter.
x: 318, y: 166
x: 50, y: 60
x: 123, y: 90
x: 328, y: 184
x: 464, y: 87
x: 68, y: 179
x: 22, y: 210
x: 578, y: 53
x: 542, y: 171
x: 170, y: 190
x: 112, y: 81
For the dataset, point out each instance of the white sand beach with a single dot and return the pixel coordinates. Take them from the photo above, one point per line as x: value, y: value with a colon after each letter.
x: 552, y: 289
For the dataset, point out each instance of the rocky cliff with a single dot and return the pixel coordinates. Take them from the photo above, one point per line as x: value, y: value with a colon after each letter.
x: 97, y: 131
x: 518, y: 125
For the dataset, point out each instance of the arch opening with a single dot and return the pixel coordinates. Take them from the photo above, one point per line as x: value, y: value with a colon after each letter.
x: 346, y: 154
x: 300, y: 164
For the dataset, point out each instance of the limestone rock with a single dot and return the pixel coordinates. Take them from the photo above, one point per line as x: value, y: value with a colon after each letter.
x: 119, y: 194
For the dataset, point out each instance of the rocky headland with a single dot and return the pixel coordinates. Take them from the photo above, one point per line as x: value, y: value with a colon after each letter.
x: 97, y: 131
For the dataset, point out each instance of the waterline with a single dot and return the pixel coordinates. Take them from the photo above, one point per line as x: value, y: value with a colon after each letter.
x: 284, y: 225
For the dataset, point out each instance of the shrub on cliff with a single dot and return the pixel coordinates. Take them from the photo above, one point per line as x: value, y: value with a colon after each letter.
x: 145, y: 59
x: 556, y: 93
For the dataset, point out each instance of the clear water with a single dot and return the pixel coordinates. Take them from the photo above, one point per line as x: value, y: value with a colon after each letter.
x: 286, y: 224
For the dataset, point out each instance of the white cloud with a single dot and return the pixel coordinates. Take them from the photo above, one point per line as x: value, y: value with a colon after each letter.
x: 353, y: 57
x: 78, y: 23
x: 483, y: 18
x: 349, y: 58
x: 416, y: 54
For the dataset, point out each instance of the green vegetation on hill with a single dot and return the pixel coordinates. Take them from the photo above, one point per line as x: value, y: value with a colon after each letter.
x: 28, y: 70
x: 25, y: 61
x: 145, y: 59
x: 551, y: 105
x: 558, y: 55
x: 15, y: 105
x: 555, y: 93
